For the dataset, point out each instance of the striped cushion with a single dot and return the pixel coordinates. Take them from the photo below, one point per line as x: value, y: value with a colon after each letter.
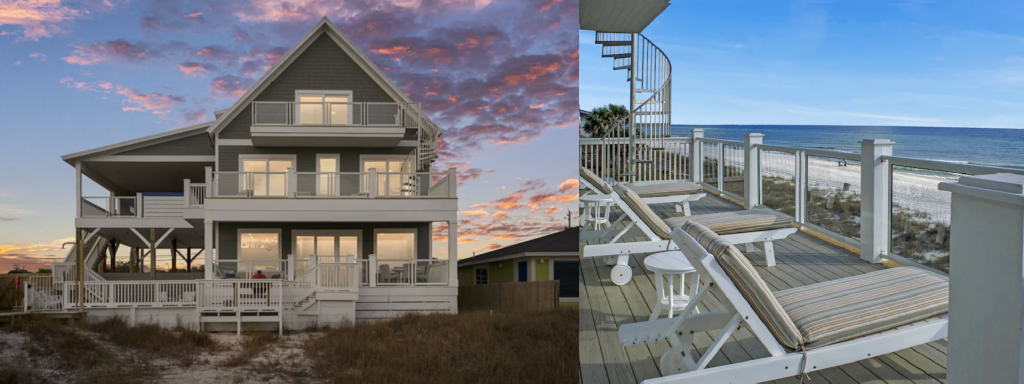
x: 674, y: 188
x: 855, y: 306
x: 643, y: 211
x: 594, y: 180
x: 749, y: 283
x: 727, y: 223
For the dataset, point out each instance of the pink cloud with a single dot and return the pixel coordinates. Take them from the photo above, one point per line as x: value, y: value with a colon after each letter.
x: 569, y: 185
x: 192, y: 67
x: 229, y: 86
x: 37, y: 18
x: 156, y: 103
x: 120, y: 50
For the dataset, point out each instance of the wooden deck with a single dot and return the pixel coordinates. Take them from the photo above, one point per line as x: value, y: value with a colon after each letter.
x: 801, y: 259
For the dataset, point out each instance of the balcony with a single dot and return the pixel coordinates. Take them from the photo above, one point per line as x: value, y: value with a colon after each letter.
x: 332, y: 124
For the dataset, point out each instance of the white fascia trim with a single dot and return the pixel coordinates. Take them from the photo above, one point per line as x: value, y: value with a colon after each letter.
x: 139, y: 142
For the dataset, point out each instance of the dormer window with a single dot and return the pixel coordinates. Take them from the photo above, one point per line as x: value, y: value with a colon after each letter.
x: 323, y: 107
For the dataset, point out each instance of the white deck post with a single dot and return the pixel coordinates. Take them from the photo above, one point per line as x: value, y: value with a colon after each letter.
x: 696, y: 157
x: 986, y: 279
x: 293, y: 183
x: 138, y: 205
x: 211, y: 188
x: 453, y: 181
x: 187, y: 194
x: 208, y: 248
x: 78, y: 189
x: 874, y: 205
x: 752, y: 170
x: 372, y: 266
x: 291, y: 266
x: 371, y: 187
x: 453, y: 254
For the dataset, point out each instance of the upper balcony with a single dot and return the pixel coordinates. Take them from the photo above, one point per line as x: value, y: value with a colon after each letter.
x: 332, y: 124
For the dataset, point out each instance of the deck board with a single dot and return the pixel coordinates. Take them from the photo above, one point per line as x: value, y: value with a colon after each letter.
x: 801, y: 259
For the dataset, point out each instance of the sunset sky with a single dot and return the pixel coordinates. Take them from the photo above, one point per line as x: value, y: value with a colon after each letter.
x: 500, y: 78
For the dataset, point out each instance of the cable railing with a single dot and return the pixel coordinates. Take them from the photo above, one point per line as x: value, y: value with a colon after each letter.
x: 291, y: 184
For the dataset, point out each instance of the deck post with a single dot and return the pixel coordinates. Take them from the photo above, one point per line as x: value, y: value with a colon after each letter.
x: 453, y: 254
x: 293, y: 183
x: 371, y: 183
x: 211, y: 188
x: 186, y: 201
x: 208, y: 248
x: 453, y: 181
x: 372, y: 275
x: 874, y: 206
x: 696, y: 157
x: 291, y: 267
x: 752, y: 171
x: 152, y: 253
x: 80, y: 263
x: 986, y: 279
x: 78, y: 189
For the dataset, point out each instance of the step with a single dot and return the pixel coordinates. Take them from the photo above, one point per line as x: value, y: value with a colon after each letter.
x: 643, y: 90
x: 649, y: 113
x: 649, y: 102
x: 623, y: 67
x: 638, y: 80
x: 610, y: 43
x: 618, y: 55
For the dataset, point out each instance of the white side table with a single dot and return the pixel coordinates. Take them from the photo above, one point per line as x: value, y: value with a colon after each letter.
x: 670, y: 265
x: 597, y: 209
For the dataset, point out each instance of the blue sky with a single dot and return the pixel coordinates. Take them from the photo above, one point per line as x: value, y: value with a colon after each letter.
x: 921, y: 63
x: 81, y: 74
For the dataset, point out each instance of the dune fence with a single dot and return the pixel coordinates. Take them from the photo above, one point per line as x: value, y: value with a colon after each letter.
x: 533, y: 296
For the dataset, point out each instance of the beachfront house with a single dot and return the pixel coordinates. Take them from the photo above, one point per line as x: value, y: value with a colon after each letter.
x: 553, y: 256
x: 312, y: 199
x: 894, y: 268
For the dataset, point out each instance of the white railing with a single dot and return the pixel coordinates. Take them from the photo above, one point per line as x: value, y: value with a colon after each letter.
x: 65, y: 272
x: 371, y: 184
x: 111, y: 206
x: 245, y: 269
x: 119, y: 294
x: 43, y: 294
x: 335, y: 114
x: 609, y: 159
x: 338, y: 276
x: 195, y: 195
x: 240, y: 295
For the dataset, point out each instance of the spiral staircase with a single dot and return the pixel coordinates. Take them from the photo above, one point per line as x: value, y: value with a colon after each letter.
x: 649, y: 122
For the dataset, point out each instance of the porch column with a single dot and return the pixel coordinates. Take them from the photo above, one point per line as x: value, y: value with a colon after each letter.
x: 986, y: 279
x: 752, y: 170
x: 874, y: 203
x: 453, y: 181
x: 152, y: 253
x: 80, y: 267
x: 210, y: 186
x: 208, y: 247
x: 78, y: 189
x: 696, y: 157
x: 453, y: 254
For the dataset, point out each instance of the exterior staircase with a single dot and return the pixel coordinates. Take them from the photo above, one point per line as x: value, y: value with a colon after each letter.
x: 649, y: 122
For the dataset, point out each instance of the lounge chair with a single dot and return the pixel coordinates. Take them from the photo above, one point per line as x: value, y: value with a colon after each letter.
x: 804, y: 329
x: 737, y: 227
x: 681, y: 193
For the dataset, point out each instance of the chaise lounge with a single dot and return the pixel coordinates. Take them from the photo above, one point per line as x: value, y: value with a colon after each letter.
x: 737, y: 227
x: 681, y: 193
x: 804, y: 329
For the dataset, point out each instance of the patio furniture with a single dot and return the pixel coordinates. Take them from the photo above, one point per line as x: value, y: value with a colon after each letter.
x: 804, y: 329
x: 681, y: 193
x: 736, y: 227
x: 670, y: 265
x: 597, y: 210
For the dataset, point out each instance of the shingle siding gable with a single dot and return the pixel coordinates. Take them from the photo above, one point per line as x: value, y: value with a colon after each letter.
x: 322, y: 66
x: 195, y: 145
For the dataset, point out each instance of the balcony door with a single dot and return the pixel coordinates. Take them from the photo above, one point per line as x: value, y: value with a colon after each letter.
x: 323, y: 107
x: 265, y: 176
x: 327, y: 246
x: 390, y: 169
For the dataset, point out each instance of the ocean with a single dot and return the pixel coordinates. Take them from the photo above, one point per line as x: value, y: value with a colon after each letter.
x: 981, y: 146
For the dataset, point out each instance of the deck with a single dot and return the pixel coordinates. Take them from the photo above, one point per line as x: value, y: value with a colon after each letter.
x: 801, y: 259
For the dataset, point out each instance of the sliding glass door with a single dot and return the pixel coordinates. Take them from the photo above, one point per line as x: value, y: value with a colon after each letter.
x: 262, y: 176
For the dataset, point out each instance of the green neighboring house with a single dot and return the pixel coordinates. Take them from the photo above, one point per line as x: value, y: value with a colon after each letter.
x: 550, y: 257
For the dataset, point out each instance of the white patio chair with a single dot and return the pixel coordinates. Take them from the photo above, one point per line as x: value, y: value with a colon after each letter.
x: 736, y: 227
x: 681, y: 193
x: 804, y: 329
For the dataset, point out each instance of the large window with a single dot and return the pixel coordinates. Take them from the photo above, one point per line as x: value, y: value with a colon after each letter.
x: 327, y: 246
x: 387, y: 185
x: 323, y: 107
x: 327, y: 181
x: 396, y: 255
x: 265, y: 175
x: 258, y: 250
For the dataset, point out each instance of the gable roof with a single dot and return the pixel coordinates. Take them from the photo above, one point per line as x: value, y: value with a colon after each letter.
x: 141, y: 142
x: 325, y: 26
x: 566, y: 241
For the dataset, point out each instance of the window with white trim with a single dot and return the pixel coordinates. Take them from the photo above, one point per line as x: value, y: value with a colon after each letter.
x: 323, y: 107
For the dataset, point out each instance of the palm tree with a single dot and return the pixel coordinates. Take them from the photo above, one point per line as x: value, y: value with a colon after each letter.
x: 603, y: 120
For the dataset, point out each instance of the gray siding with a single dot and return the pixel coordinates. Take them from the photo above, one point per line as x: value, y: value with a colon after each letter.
x: 228, y: 236
x: 322, y: 66
x: 195, y: 145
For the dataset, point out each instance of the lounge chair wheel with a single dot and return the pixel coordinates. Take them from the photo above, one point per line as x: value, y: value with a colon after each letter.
x: 621, y: 274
